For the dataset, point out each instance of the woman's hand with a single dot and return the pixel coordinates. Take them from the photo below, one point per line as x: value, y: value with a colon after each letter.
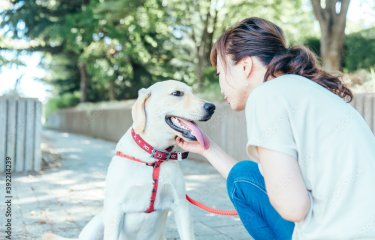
x: 191, y: 146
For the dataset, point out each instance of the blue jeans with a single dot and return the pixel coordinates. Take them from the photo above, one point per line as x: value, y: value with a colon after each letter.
x: 246, y: 189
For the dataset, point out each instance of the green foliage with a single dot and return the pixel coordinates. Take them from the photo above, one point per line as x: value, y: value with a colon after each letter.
x: 313, y: 44
x: 63, y: 73
x: 127, y: 45
x: 359, y: 50
x: 61, y: 101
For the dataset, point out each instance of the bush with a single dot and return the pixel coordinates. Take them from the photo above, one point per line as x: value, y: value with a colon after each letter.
x: 314, y: 44
x: 359, y: 50
x: 58, y: 102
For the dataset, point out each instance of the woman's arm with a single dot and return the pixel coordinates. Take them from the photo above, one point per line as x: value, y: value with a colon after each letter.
x: 219, y: 159
x: 284, y: 183
x: 214, y: 154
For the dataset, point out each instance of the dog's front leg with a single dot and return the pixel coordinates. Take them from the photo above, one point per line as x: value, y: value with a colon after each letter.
x: 113, y: 220
x: 94, y: 230
x: 183, y: 220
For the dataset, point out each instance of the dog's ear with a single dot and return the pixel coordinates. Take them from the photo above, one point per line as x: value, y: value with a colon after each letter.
x: 138, y: 110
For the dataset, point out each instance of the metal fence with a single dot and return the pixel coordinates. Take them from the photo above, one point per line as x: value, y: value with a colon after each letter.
x: 20, y: 134
x: 226, y: 127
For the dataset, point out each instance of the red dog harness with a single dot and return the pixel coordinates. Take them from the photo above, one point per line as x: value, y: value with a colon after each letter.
x: 161, y: 156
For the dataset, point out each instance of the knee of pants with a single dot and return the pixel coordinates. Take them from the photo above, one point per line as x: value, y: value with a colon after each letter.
x: 242, y: 170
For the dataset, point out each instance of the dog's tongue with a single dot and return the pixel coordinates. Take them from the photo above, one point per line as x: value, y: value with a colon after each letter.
x: 197, y: 132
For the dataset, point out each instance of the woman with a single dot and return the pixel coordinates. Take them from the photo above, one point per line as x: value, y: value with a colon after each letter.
x: 312, y: 168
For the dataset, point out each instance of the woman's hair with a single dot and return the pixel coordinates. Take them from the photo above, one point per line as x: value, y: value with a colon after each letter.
x: 265, y: 40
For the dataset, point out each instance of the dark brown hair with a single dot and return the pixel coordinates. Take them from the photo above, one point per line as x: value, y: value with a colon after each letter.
x: 265, y: 40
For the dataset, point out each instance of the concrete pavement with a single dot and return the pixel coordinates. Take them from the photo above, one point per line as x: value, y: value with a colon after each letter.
x: 63, y: 199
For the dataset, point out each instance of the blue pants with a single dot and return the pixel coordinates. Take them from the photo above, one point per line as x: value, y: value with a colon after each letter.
x: 246, y: 189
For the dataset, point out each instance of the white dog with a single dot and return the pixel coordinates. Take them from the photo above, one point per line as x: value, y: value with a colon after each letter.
x: 136, y: 206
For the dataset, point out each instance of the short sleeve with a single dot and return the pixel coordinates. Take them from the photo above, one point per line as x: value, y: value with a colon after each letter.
x: 268, y: 123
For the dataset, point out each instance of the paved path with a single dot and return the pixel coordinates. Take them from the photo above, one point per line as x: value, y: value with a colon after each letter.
x: 64, y: 198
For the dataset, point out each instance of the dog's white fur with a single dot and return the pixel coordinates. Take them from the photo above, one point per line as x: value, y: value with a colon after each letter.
x: 128, y: 184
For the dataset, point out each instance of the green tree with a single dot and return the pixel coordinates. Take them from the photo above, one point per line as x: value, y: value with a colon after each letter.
x: 331, y: 15
x: 106, y: 50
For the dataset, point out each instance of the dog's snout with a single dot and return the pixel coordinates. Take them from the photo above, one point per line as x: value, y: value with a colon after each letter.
x: 209, y: 107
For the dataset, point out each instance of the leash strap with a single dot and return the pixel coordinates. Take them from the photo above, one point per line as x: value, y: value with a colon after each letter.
x: 211, y: 210
x: 123, y: 155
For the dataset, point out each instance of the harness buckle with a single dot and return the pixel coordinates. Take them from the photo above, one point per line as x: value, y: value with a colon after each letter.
x: 179, y: 156
x: 151, y: 164
x: 159, y: 154
x: 153, y: 152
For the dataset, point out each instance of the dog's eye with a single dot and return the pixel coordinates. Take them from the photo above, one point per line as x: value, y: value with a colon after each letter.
x: 177, y: 93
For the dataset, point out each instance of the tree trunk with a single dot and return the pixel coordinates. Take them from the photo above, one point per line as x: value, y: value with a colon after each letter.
x: 84, y: 85
x: 204, y: 44
x: 332, y: 21
x: 111, y: 90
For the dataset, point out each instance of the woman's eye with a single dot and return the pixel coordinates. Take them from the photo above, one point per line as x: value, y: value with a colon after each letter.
x: 177, y: 93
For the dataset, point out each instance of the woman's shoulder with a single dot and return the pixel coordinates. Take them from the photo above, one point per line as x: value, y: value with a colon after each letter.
x: 287, y: 85
x: 285, y: 81
x: 285, y: 91
x: 275, y: 87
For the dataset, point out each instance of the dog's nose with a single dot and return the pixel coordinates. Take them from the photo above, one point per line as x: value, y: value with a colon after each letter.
x: 209, y: 107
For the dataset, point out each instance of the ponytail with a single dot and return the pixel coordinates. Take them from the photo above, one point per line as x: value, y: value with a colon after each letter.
x: 302, y: 61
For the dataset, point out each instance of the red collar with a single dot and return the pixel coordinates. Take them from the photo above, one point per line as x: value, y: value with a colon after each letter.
x: 160, y: 155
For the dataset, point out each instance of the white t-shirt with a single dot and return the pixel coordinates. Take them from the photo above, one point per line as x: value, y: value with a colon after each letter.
x: 334, y: 147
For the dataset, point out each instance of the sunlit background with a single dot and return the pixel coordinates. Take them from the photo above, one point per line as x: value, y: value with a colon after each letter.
x: 23, y: 73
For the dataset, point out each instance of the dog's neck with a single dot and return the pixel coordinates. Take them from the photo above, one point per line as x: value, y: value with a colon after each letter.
x: 157, y: 141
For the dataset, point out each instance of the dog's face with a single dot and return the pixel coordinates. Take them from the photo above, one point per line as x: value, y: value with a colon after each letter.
x: 172, y: 108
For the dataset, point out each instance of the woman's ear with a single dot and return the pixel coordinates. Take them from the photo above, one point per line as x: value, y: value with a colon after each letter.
x: 247, y: 66
x: 138, y: 110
